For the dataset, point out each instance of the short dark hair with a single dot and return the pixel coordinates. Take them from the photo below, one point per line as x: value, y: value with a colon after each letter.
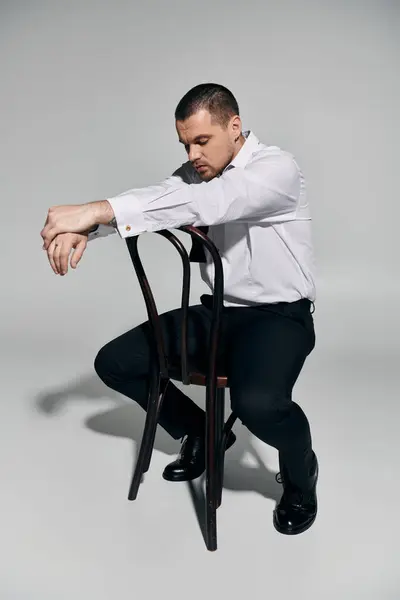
x: 217, y: 99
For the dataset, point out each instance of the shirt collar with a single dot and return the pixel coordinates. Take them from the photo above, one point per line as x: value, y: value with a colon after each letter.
x: 246, y: 151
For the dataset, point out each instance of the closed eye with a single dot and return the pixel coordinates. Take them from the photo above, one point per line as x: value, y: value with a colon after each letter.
x: 202, y: 143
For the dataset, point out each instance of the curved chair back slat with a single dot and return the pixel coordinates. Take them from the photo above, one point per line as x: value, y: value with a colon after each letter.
x: 218, y: 294
x: 157, y: 340
x: 153, y: 315
x: 184, y: 302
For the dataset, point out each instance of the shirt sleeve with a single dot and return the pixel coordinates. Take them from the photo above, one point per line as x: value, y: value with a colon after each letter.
x: 267, y: 189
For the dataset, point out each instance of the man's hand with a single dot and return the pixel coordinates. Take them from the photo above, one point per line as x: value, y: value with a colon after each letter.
x: 60, y: 248
x: 75, y: 218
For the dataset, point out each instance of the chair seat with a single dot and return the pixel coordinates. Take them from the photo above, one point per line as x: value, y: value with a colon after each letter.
x: 197, y: 373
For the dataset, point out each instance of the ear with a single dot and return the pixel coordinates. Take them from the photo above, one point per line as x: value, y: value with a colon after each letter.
x: 236, y: 125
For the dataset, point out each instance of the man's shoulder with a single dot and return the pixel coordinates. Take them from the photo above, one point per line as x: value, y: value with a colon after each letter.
x: 272, y: 151
x: 267, y: 154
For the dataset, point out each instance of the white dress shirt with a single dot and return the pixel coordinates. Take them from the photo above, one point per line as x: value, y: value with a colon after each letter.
x: 258, y: 217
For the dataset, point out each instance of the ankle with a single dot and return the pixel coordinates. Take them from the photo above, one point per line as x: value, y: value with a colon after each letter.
x: 298, y: 467
x: 198, y: 427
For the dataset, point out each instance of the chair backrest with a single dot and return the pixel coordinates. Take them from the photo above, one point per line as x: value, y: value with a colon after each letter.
x: 154, y: 320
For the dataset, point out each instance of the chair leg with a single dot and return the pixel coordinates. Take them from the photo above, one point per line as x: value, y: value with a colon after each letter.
x: 212, y: 478
x: 219, y: 444
x: 225, y: 432
x: 150, y: 427
x: 150, y: 446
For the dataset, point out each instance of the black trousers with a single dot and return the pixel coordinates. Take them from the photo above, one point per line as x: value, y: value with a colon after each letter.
x: 263, y: 350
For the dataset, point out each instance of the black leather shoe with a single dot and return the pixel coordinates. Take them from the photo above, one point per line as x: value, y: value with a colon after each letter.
x: 191, y: 461
x: 297, y: 508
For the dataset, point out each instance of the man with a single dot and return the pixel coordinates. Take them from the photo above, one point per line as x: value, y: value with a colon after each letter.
x: 252, y: 200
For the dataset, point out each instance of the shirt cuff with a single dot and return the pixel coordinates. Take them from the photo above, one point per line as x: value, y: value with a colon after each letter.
x: 128, y: 214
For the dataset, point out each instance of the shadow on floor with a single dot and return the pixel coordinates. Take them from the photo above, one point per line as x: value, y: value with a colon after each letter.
x: 127, y: 420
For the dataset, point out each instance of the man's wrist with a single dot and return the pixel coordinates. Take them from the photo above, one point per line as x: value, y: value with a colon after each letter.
x: 102, y: 212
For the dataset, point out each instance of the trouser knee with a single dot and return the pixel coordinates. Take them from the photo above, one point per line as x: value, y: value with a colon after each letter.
x: 259, y: 408
x: 120, y: 362
x: 103, y: 364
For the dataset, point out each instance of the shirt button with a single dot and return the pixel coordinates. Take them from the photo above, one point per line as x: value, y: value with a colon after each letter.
x: 128, y: 228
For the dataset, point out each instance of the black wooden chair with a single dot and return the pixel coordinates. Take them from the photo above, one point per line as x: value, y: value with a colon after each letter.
x: 163, y: 370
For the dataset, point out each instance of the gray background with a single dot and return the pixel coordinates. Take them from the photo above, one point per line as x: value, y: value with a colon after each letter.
x: 88, y: 91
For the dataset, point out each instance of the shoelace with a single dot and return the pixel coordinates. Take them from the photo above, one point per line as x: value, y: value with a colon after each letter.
x: 279, y: 479
x: 293, y: 496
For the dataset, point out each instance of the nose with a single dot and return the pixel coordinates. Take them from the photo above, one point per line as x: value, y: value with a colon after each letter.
x: 194, y: 155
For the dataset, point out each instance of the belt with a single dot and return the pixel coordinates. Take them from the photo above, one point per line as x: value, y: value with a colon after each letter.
x: 302, y: 303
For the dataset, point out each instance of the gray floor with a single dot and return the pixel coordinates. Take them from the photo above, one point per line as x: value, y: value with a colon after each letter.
x: 68, y: 449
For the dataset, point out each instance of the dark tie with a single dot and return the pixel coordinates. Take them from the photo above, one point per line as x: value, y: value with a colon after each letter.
x: 197, y: 253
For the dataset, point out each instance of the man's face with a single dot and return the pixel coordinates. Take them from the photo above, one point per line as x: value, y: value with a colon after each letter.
x: 210, y: 148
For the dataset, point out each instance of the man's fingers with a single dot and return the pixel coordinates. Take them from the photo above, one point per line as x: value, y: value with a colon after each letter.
x: 61, y: 254
x: 48, y: 234
x: 60, y: 248
x: 57, y: 256
x: 50, y: 256
x: 44, y: 230
x: 77, y: 253
x: 64, y: 255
